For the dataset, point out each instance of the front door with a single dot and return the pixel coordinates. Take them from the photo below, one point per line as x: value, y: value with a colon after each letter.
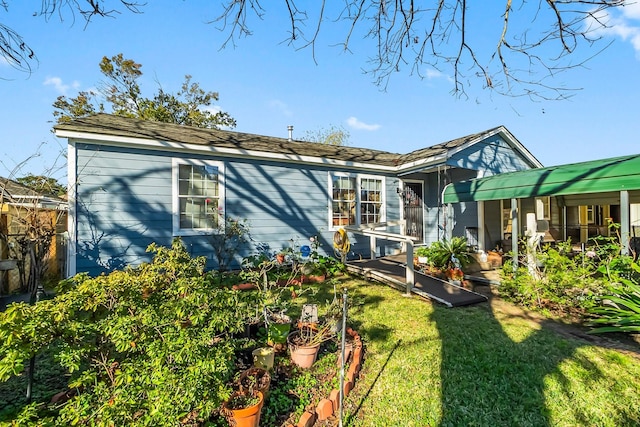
x: 413, y: 209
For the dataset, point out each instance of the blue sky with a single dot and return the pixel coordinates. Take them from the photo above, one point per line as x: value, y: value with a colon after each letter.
x: 266, y: 86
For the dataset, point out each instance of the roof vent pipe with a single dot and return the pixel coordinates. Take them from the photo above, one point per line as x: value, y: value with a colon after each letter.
x: 290, y: 129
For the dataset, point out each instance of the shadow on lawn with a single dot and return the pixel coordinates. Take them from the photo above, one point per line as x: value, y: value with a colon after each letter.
x: 491, y: 379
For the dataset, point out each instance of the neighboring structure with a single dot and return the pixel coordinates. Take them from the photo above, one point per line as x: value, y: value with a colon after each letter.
x: 135, y: 182
x: 31, y: 225
x: 573, y: 202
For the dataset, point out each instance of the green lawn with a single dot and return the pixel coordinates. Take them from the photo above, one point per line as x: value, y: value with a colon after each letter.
x: 427, y: 365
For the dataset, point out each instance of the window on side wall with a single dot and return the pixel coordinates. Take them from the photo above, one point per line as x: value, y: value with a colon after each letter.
x: 197, y: 197
x: 543, y: 208
x: 356, y: 200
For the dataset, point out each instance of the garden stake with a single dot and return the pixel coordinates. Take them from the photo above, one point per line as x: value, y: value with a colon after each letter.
x: 344, y: 339
x: 32, y: 361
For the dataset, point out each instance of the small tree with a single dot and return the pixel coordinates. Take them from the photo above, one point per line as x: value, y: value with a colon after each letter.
x: 32, y: 225
x: 228, y: 237
x: 333, y: 135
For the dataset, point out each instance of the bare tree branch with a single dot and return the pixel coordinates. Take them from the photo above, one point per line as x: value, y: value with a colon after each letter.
x: 16, y: 51
x: 536, y: 41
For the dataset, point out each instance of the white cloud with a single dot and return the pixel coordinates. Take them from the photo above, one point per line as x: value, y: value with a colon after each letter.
x: 432, y: 74
x: 623, y: 23
x: 276, y: 104
x: 631, y: 10
x: 213, y: 109
x: 59, y: 86
x: 357, y: 124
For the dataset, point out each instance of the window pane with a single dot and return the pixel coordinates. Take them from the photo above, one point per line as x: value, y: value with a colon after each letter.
x: 344, y: 200
x: 370, y: 200
x: 198, y: 194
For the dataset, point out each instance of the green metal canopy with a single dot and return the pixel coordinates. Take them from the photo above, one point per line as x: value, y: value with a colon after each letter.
x: 601, y: 180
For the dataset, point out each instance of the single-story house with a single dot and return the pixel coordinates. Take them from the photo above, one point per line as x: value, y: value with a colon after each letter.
x: 134, y: 182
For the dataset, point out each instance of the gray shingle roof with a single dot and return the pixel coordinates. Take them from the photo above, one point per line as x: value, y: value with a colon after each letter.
x: 106, y: 124
x: 11, y: 189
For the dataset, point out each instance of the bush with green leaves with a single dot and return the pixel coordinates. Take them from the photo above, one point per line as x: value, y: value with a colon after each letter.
x: 147, y: 346
x: 563, y: 283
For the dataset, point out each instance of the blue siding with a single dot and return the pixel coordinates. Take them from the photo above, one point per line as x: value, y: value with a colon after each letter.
x: 124, y: 203
x: 493, y: 155
x: 433, y: 213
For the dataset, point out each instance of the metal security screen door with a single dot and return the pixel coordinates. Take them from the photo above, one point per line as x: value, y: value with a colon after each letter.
x: 413, y: 209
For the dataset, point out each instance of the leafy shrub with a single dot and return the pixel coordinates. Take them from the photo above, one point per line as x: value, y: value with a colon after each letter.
x: 146, y: 346
x: 562, y: 283
x: 619, y: 308
x: 442, y: 254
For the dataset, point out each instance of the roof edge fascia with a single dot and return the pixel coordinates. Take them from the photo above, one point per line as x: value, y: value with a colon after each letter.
x: 420, y: 165
x: 154, y: 144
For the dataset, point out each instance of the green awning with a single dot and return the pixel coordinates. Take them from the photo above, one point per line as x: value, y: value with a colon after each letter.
x: 597, y: 177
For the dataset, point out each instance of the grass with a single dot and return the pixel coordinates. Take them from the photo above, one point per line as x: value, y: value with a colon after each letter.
x: 427, y: 365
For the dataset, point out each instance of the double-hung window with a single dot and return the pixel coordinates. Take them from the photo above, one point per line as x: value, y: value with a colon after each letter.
x: 197, y: 197
x: 370, y: 200
x: 356, y: 199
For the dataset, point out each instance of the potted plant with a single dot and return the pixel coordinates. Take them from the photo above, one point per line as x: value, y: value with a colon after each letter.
x: 313, y: 272
x: 278, y: 328
x: 423, y: 254
x: 243, y: 408
x: 455, y: 275
x: 304, y: 342
x: 449, y: 254
x: 304, y: 345
x: 255, y: 378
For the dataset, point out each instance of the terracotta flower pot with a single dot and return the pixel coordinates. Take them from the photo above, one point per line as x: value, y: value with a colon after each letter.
x: 244, y: 417
x: 303, y: 355
x: 314, y: 278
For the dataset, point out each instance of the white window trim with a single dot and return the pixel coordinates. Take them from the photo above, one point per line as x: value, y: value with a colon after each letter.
x: 175, y: 211
x: 359, y: 178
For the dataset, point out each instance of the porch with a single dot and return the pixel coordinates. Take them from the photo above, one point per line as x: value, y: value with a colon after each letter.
x: 580, y: 192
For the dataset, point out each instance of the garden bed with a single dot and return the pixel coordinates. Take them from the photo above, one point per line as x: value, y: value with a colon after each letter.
x: 305, y: 396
